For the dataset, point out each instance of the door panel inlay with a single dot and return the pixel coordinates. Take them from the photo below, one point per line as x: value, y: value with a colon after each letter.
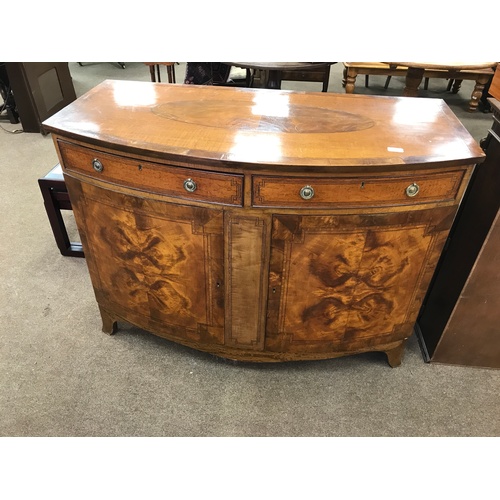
x: 340, y: 282
x: 146, y: 260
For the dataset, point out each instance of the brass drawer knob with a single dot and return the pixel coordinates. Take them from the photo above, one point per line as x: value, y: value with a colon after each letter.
x: 412, y: 190
x: 98, y: 166
x: 307, y: 192
x: 190, y: 185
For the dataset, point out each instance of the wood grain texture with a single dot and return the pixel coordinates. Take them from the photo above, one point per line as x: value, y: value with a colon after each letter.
x: 242, y: 266
x: 345, y: 280
x: 247, y: 249
x: 355, y: 192
x: 404, y: 132
x: 143, y: 175
x: 159, y: 262
x: 494, y: 89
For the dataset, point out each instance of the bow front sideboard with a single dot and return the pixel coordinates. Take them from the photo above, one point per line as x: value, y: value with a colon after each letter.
x: 262, y: 225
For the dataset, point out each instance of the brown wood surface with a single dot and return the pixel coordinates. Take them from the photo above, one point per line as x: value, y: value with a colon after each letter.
x: 494, y: 89
x: 237, y: 127
x: 447, y: 65
x: 143, y: 175
x: 472, y: 336
x: 354, y: 192
x: 157, y: 262
x: 481, y: 73
x: 243, y: 267
x: 342, y: 282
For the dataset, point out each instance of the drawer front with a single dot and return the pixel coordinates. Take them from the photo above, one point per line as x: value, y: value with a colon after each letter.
x: 178, y: 182
x: 319, y: 192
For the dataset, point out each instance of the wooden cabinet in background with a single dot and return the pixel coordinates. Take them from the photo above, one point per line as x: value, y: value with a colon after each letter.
x: 40, y: 89
x: 262, y: 225
x: 460, y: 321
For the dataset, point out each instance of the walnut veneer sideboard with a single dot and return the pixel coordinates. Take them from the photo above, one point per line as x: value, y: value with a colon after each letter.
x: 262, y: 225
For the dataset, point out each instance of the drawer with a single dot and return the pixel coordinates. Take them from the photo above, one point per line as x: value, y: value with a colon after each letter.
x: 178, y: 182
x: 268, y: 191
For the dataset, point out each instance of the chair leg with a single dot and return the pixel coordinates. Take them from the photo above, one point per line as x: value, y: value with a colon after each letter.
x: 477, y: 93
x: 152, y: 73
x: 350, y: 80
x: 426, y: 84
x: 456, y: 86
x: 171, y: 74
x: 367, y: 80
x: 326, y: 79
x: 249, y: 75
x: 53, y: 208
x: 387, y: 81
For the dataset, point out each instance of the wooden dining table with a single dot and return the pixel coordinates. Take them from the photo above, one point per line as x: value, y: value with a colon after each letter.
x: 277, y: 71
x: 454, y: 70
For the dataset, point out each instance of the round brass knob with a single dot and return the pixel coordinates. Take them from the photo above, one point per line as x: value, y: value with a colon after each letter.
x: 98, y: 166
x: 307, y: 192
x: 190, y: 185
x: 412, y: 190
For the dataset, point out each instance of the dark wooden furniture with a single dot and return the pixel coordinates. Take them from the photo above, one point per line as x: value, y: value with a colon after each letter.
x: 271, y: 74
x: 460, y: 320
x: 40, y: 89
x: 55, y: 197
x: 154, y: 70
x: 121, y: 64
x: 258, y: 225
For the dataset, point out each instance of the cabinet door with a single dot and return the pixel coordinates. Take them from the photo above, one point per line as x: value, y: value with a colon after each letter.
x: 156, y: 265
x: 348, y: 282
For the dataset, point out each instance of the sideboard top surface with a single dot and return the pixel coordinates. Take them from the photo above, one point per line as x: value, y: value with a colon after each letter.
x: 235, y: 126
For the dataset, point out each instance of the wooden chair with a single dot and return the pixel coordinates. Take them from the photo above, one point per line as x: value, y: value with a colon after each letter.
x: 353, y: 69
x: 56, y: 198
x: 155, y: 66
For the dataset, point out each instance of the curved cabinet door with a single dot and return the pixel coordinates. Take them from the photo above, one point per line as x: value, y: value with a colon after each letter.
x: 341, y: 283
x: 154, y: 264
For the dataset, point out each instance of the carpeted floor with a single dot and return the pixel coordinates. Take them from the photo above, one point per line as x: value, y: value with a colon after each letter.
x: 60, y: 376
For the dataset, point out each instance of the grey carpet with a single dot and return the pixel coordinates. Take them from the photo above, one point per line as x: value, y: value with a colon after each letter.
x: 60, y: 376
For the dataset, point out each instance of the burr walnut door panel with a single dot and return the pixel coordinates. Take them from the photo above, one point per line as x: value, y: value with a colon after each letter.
x: 348, y: 282
x: 157, y: 265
